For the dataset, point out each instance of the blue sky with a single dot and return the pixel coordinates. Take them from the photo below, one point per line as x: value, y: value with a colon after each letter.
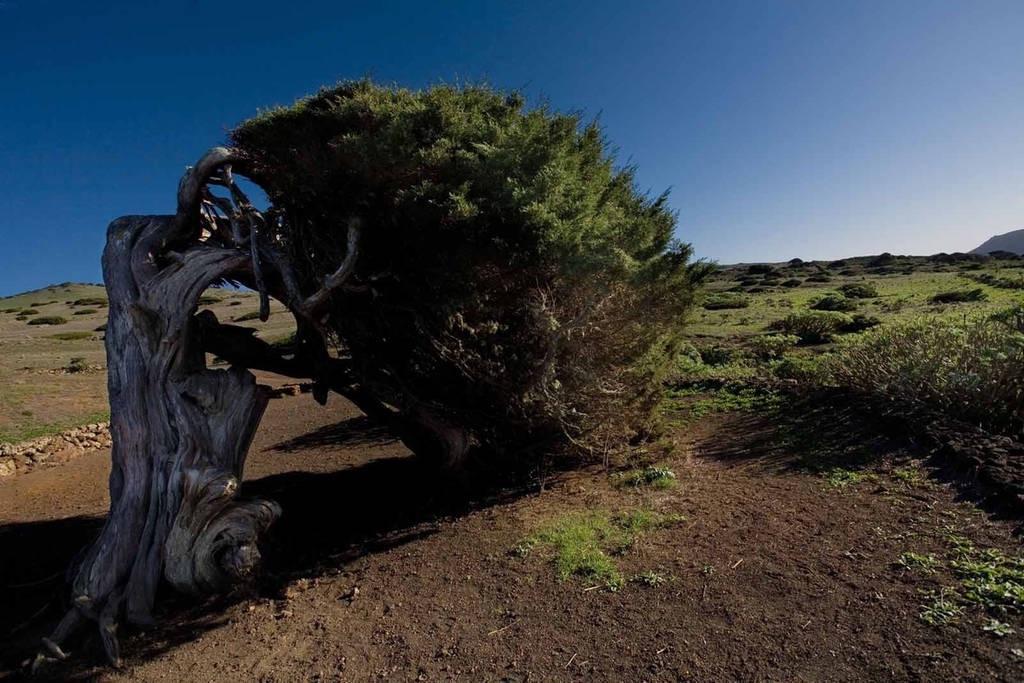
x: 811, y: 129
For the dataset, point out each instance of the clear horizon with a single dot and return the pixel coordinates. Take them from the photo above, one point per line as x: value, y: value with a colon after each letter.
x: 784, y: 129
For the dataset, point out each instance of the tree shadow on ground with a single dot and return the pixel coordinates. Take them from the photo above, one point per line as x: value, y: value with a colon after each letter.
x: 329, y: 520
x: 356, y: 431
x: 808, y: 435
x: 824, y: 432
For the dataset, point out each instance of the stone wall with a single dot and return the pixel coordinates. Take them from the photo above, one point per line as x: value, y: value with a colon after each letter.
x: 52, y: 450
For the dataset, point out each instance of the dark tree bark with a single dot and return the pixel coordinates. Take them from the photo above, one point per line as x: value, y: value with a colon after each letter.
x: 181, y: 431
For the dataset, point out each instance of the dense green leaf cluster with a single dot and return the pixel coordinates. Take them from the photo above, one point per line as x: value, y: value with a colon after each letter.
x: 510, y: 277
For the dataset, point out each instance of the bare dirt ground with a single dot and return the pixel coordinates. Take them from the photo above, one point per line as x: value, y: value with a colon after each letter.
x: 377, y: 571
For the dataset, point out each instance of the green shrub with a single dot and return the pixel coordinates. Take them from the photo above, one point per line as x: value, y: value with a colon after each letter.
x: 71, y: 336
x: 48, y: 320
x: 207, y: 300
x: 819, y: 277
x: 859, y: 290
x: 833, y: 302
x: 523, y: 287
x: 716, y: 355
x: 725, y: 301
x: 792, y: 282
x: 85, y: 311
x: 813, y: 327
x: 76, y: 365
x: 762, y: 269
x: 30, y: 311
x: 1012, y: 317
x: 251, y: 315
x: 959, y: 296
x: 860, y: 322
x: 970, y: 371
x: 90, y: 301
x: 11, y: 310
x: 768, y: 347
x: 799, y: 369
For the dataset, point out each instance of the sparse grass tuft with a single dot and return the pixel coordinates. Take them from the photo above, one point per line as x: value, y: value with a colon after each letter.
x: 583, y: 544
x: 71, y: 336
x: 657, y: 477
x: 840, y: 478
x: 48, y: 320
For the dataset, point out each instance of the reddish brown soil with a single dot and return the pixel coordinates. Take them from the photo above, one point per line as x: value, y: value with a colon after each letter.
x: 375, y: 573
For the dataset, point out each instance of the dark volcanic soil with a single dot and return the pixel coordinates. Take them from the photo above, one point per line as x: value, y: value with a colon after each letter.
x: 373, y: 572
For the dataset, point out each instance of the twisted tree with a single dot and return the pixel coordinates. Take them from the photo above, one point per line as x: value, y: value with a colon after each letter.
x: 475, y: 275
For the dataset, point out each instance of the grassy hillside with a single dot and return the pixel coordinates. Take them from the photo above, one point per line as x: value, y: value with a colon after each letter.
x: 53, y: 371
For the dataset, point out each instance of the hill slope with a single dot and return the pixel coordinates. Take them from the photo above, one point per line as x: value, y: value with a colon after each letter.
x: 1012, y: 241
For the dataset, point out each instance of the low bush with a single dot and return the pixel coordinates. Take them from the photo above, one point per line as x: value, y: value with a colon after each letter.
x: 969, y: 371
x: 959, y: 296
x: 76, y: 365
x: 71, y: 336
x: 90, y: 301
x: 798, y: 369
x: 1012, y: 317
x: 813, y: 327
x: 48, y: 320
x: 251, y: 315
x: 860, y: 322
x: 716, y: 355
x: 767, y: 347
x: 761, y: 269
x: 859, y: 290
x: 29, y: 311
x: 719, y: 302
x: 833, y: 302
x: 208, y: 300
x: 792, y: 282
x: 85, y: 311
x: 819, y: 277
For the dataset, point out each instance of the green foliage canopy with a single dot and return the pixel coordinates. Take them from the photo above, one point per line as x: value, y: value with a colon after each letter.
x: 510, y: 277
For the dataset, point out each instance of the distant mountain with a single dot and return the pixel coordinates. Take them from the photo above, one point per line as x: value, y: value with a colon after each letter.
x: 1010, y: 241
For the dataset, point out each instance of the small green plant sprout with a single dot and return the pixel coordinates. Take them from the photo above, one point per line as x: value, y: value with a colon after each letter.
x: 943, y: 609
x: 991, y: 579
x: 907, y: 475
x: 1000, y: 629
x: 925, y: 564
x: 840, y: 478
x: 707, y: 570
x: 651, y: 579
x: 524, y: 547
x: 658, y: 477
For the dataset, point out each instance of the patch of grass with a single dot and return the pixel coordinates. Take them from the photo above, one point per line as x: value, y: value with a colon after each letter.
x: 208, y: 300
x: 19, y: 433
x: 698, y: 401
x: 251, y: 315
x: 90, y: 301
x: 840, y: 478
x: 657, y: 477
x: 29, y: 311
x: 71, y: 336
x: 85, y: 311
x: 583, y: 544
x: 907, y: 475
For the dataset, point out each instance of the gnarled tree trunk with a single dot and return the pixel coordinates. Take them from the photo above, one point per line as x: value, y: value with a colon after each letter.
x: 180, y: 430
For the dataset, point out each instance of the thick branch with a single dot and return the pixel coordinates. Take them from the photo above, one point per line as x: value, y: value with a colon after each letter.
x: 315, y: 302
